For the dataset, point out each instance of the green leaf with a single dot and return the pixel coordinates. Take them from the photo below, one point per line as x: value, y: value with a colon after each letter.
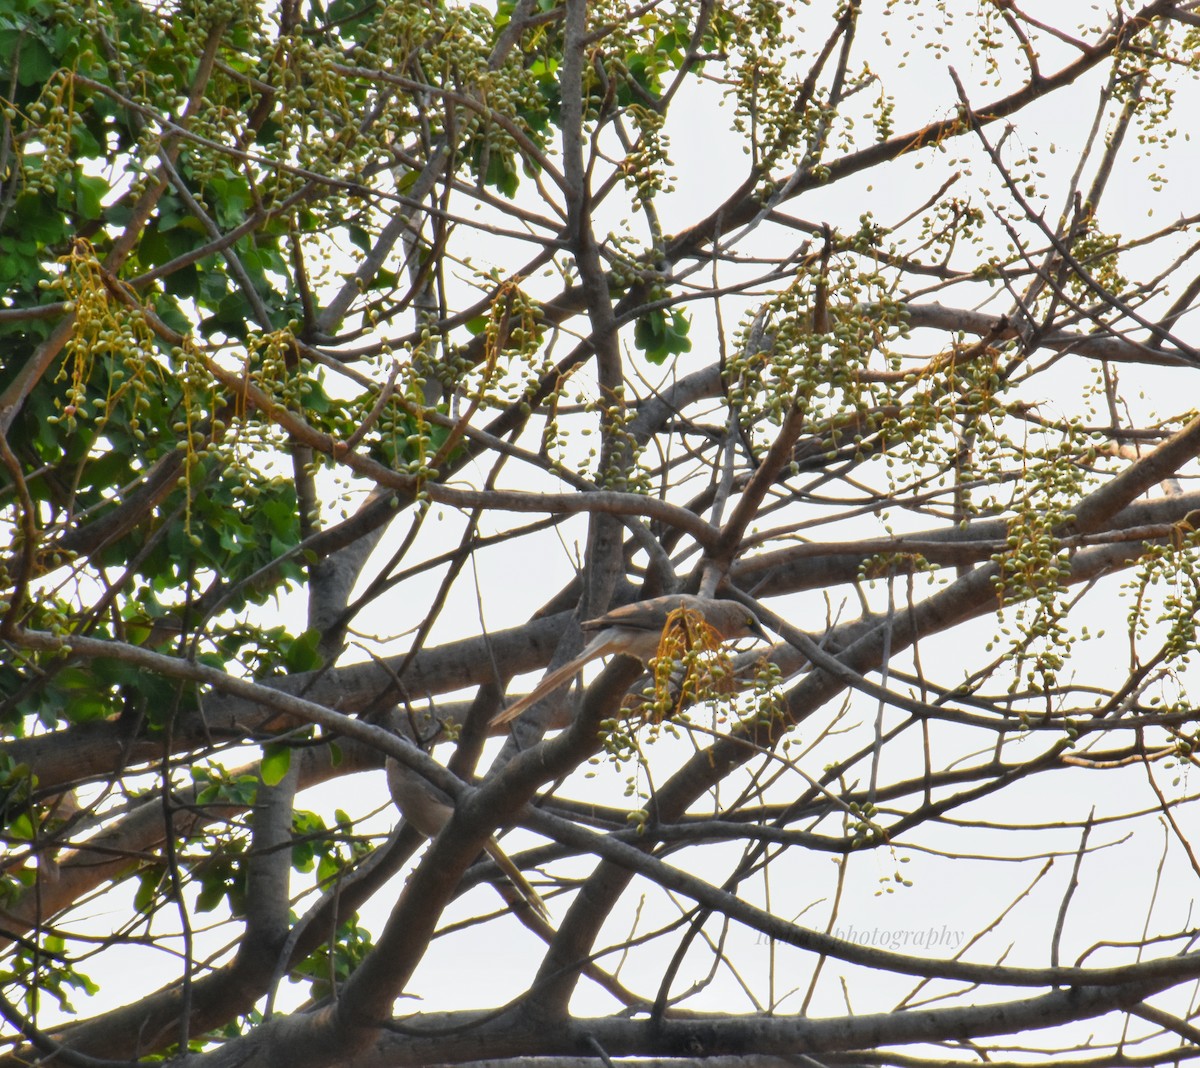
x: 659, y: 337
x: 89, y: 193
x: 302, y: 653
x: 275, y: 763
x: 21, y: 828
x: 502, y: 174
x: 87, y: 707
x: 230, y: 198
x: 327, y: 869
x: 36, y: 63
x: 147, y: 890
x: 211, y: 893
x: 169, y: 310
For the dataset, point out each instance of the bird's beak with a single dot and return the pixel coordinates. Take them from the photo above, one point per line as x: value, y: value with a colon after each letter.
x: 759, y: 631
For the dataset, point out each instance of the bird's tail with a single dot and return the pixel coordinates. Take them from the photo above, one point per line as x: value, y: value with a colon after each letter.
x: 547, y: 686
x: 514, y: 875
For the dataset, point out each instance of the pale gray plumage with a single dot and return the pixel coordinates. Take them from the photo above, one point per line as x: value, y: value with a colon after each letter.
x: 635, y: 630
x: 427, y: 810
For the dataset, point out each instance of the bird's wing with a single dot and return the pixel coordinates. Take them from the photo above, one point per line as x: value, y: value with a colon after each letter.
x: 648, y: 615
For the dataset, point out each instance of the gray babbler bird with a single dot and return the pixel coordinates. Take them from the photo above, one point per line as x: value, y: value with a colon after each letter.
x: 428, y: 809
x: 636, y: 630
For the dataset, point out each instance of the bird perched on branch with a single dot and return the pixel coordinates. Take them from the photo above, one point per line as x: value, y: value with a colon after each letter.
x: 637, y: 630
x: 427, y: 809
